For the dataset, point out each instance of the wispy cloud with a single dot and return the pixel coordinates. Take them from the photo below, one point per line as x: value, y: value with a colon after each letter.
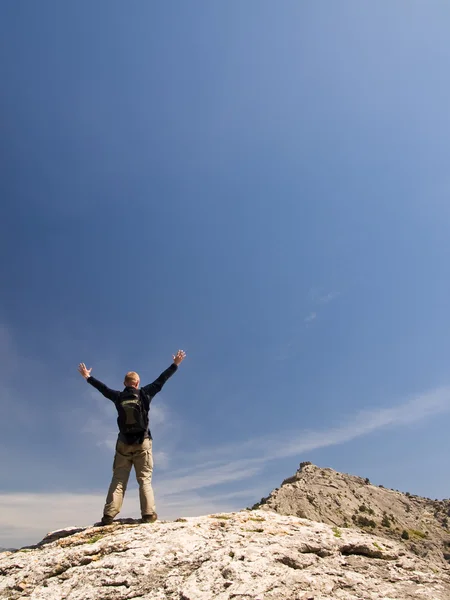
x: 328, y: 297
x: 162, y: 459
x: 18, y: 522
x: 319, y: 297
x: 232, y: 462
x: 101, y: 431
x: 311, y: 317
x: 210, y: 474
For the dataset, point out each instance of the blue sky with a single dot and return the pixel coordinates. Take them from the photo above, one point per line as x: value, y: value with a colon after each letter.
x: 263, y: 185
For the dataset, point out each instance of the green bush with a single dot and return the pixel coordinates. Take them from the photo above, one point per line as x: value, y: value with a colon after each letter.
x: 385, y: 522
x: 364, y: 508
x: 365, y: 522
x: 417, y: 533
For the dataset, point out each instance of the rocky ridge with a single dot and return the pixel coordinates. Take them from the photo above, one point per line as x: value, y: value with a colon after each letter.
x: 327, y: 496
x: 249, y: 555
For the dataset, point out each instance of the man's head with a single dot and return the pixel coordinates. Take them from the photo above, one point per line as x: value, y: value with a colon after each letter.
x: 131, y: 379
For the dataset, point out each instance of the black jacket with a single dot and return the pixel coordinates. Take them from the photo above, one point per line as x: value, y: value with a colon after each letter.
x: 146, y: 394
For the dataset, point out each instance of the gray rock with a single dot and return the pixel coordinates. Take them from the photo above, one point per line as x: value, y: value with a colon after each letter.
x: 249, y: 555
x: 344, y: 500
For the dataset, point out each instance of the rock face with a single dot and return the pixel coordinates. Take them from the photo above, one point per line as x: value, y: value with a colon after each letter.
x: 344, y: 500
x: 249, y: 555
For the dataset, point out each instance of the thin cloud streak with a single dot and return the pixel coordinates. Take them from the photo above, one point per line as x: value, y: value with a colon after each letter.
x: 310, y: 318
x: 326, y: 298
x: 319, y: 296
x: 201, y: 477
x: 368, y: 421
x: 222, y: 462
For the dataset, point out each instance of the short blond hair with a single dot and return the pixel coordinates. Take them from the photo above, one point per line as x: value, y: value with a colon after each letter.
x: 131, y: 377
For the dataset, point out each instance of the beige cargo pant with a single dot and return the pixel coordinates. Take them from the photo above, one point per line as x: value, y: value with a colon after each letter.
x: 127, y: 455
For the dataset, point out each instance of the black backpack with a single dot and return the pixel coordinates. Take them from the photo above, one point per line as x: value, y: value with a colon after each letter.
x: 132, y: 420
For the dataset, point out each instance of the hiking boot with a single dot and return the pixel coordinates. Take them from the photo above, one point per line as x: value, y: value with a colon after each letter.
x: 106, y: 520
x: 151, y: 518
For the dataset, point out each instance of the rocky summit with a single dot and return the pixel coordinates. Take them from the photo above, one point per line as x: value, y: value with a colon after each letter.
x: 328, y: 496
x: 249, y: 555
x: 332, y: 542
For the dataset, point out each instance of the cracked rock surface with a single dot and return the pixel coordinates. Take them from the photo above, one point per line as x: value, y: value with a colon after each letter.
x: 249, y: 555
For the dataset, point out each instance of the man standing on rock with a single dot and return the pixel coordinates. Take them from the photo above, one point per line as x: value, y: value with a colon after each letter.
x: 134, y: 444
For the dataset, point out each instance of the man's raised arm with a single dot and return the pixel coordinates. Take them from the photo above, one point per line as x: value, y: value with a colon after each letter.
x: 153, y: 388
x: 101, y: 387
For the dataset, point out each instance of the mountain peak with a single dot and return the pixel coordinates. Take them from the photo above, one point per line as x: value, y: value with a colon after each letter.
x: 342, y: 500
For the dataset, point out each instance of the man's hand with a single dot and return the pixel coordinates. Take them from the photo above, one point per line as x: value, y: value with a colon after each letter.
x: 84, y: 371
x: 179, y: 357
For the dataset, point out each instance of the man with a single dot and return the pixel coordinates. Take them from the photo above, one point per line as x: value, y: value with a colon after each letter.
x: 134, y: 444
